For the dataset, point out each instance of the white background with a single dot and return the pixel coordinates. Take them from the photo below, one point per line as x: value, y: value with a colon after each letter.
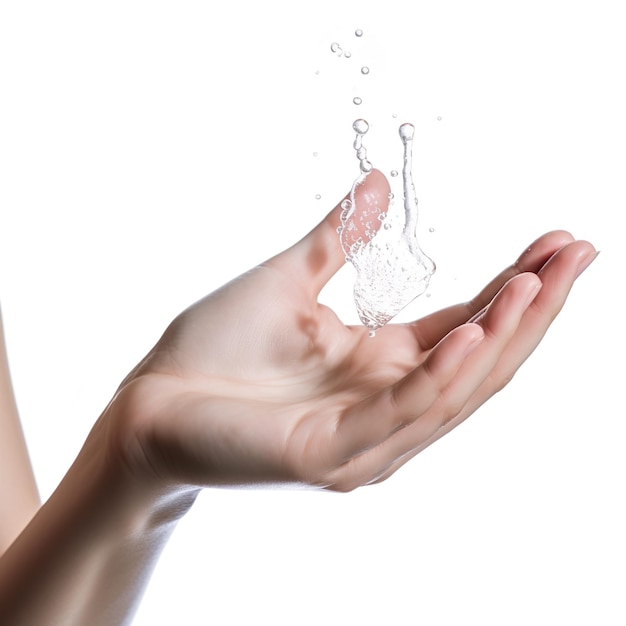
x: 150, y: 151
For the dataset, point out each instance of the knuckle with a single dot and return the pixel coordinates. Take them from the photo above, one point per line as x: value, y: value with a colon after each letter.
x: 499, y: 380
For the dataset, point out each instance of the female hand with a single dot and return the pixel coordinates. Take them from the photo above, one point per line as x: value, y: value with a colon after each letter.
x: 258, y: 383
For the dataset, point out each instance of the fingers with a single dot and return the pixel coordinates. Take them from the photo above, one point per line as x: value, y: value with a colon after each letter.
x: 318, y: 256
x: 393, y: 424
x: 428, y: 330
x: 372, y: 421
x: 557, y: 276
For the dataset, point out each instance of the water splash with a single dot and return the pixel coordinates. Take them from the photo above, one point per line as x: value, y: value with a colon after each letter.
x: 381, y: 241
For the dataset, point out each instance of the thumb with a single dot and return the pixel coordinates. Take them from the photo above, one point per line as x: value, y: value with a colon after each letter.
x: 319, y: 255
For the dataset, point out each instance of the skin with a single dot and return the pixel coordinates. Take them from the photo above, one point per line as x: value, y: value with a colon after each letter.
x: 259, y: 384
x: 19, y: 498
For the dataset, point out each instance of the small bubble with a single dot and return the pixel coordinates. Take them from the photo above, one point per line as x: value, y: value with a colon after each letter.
x: 357, y: 100
x: 372, y: 333
x: 339, y: 230
x: 431, y: 230
x: 394, y: 173
x: 358, y: 32
x: 347, y: 54
x: 318, y: 196
x: 317, y: 71
x: 360, y: 126
x: 390, y: 196
x: 428, y: 295
x: 394, y: 115
x: 346, y: 204
x: 365, y: 70
x: 315, y: 154
x: 386, y: 225
x: 382, y: 216
x: 439, y: 119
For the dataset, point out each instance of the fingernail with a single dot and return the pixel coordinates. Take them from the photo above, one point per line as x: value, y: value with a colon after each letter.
x: 473, y: 342
x: 586, y: 262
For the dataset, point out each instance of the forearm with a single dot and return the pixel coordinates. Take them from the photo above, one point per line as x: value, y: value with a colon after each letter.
x: 88, y: 553
x: 19, y: 499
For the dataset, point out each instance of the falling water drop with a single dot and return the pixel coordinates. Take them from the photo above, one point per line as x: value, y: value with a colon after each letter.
x: 406, y: 132
x: 360, y: 126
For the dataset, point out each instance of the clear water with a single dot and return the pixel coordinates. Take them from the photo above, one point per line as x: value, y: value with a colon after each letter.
x: 381, y: 241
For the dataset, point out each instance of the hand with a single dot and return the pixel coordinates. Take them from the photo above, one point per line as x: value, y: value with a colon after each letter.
x: 258, y: 383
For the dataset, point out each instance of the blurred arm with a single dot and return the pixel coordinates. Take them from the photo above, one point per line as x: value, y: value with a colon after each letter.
x: 19, y: 499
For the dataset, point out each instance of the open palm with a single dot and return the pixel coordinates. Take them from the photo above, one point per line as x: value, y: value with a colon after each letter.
x: 258, y: 383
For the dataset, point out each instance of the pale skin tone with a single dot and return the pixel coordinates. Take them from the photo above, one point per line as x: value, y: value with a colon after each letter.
x: 19, y: 498
x: 259, y: 384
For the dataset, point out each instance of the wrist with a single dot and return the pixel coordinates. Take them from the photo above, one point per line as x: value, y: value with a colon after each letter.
x: 115, y: 454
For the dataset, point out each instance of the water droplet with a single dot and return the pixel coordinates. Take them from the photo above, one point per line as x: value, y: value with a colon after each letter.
x: 394, y: 115
x: 357, y: 100
x: 336, y: 48
x: 339, y: 229
x: 439, y: 119
x: 428, y: 295
x: 431, y: 230
x: 347, y: 54
x: 391, y: 196
x: 394, y: 173
x: 315, y: 154
x: 365, y: 70
x: 358, y: 32
x: 317, y: 196
x: 386, y: 225
x: 366, y: 166
x: 372, y: 333
x: 346, y: 204
x: 317, y: 71
x: 406, y: 132
x: 360, y: 126
x: 382, y: 216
